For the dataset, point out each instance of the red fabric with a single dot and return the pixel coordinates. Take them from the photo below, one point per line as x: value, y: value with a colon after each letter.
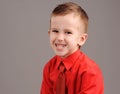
x: 83, y: 76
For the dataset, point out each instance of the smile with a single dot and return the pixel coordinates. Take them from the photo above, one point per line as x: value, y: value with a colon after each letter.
x: 60, y: 46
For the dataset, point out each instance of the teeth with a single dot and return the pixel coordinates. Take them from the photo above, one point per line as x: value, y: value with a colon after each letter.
x: 60, y: 45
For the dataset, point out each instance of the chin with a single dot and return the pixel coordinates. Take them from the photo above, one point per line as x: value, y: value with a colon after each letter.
x: 60, y: 54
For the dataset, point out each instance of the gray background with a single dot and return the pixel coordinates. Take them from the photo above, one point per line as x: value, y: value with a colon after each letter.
x: 24, y: 42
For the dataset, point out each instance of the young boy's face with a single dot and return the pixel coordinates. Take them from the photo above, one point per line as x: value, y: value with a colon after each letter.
x: 66, y: 34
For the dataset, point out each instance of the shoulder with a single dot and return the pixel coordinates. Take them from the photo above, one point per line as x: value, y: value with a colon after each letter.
x: 49, y: 65
x: 88, y: 65
x: 91, y: 74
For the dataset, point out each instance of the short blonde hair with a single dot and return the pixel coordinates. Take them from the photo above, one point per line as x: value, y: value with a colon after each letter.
x: 70, y: 7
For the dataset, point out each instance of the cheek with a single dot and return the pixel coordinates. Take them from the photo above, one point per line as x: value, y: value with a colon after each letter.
x: 78, y: 39
x: 52, y: 38
x: 72, y: 40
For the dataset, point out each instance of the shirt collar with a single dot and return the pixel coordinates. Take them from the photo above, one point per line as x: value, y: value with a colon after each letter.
x: 69, y: 60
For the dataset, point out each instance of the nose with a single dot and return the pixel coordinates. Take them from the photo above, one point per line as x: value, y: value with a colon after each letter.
x: 60, y: 37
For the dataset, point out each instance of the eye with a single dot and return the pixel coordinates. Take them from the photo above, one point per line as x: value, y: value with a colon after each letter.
x: 68, y: 32
x: 56, y: 31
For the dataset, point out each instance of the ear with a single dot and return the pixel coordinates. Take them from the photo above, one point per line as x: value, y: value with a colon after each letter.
x: 48, y: 32
x: 83, y: 39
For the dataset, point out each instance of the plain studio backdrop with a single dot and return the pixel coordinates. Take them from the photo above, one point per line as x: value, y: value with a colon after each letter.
x: 25, y: 49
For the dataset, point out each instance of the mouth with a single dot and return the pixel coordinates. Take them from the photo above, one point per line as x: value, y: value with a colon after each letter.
x: 60, y: 46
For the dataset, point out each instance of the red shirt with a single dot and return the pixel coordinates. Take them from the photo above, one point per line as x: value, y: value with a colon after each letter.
x: 83, y: 76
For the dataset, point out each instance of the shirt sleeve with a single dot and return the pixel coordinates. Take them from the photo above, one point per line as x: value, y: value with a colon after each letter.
x: 92, y: 82
x: 46, y: 87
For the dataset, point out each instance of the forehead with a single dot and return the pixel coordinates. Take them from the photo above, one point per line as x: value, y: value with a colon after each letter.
x: 69, y: 20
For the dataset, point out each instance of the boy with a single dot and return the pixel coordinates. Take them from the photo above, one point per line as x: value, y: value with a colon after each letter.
x: 80, y: 74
